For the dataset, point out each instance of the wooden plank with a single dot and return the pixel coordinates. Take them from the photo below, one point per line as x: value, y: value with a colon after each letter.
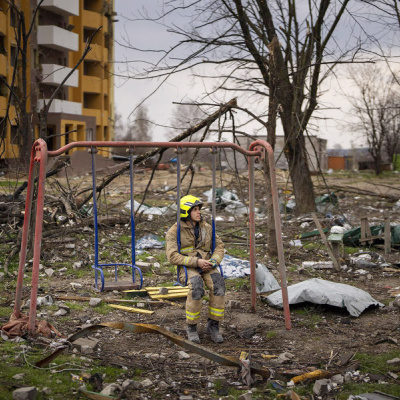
x: 169, y: 296
x: 326, y: 243
x: 131, y: 309
x: 108, y: 287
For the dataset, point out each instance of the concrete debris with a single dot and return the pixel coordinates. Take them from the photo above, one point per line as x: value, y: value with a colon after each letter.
x: 94, y: 301
x: 111, y: 390
x: 322, y: 387
x: 77, y: 265
x: 61, y: 312
x: 393, y: 361
x: 233, y: 304
x: 182, y: 355
x: 151, y: 259
x: 18, y: 377
x: 85, y: 345
x: 75, y: 285
x: 283, y: 358
x: 25, y: 393
x: 338, y: 379
x: 146, y: 383
x: 185, y: 397
x: 49, y: 272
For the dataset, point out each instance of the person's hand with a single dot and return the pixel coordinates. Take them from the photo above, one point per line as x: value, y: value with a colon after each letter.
x: 204, y: 265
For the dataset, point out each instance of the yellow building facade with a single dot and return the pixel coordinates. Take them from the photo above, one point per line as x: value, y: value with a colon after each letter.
x: 83, y: 108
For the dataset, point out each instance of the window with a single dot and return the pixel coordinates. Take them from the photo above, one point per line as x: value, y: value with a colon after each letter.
x: 15, y: 135
x: 13, y: 55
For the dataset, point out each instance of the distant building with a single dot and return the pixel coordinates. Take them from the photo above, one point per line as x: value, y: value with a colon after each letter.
x: 355, y: 159
x: 84, y: 107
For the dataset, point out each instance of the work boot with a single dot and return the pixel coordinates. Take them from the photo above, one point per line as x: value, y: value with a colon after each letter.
x: 213, y: 330
x: 192, y: 334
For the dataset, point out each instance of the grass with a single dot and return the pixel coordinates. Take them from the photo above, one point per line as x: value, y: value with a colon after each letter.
x: 271, y: 334
x: 238, y: 252
x: 237, y: 284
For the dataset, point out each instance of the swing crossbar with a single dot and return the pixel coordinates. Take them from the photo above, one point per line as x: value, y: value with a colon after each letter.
x: 38, y: 164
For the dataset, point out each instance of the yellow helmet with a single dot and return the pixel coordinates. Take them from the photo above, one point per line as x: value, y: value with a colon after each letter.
x: 187, y: 203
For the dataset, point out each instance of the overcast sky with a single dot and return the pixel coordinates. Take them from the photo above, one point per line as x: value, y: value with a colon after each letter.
x: 183, y: 87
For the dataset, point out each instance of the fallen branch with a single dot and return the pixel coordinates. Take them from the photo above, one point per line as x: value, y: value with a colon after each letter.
x: 351, y: 189
x: 138, y: 160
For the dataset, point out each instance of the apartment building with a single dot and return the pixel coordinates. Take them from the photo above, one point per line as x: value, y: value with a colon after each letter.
x: 83, y: 108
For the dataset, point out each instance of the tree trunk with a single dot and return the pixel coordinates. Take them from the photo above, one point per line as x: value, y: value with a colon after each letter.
x: 300, y: 174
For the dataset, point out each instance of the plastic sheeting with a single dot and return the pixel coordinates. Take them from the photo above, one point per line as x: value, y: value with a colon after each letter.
x: 320, y: 291
x: 227, y: 200
x: 149, y: 241
x: 147, y: 210
x: 233, y: 267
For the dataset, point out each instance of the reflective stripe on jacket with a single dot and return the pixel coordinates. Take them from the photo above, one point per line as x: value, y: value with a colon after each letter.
x: 188, y: 253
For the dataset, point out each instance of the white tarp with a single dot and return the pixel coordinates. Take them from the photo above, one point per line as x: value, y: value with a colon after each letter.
x: 233, y: 267
x: 320, y: 291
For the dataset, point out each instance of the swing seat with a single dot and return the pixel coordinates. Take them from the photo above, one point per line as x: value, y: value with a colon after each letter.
x: 126, y: 285
x: 178, y: 270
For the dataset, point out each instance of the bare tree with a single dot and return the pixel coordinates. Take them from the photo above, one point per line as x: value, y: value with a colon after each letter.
x: 376, y: 115
x: 270, y: 51
x: 140, y: 128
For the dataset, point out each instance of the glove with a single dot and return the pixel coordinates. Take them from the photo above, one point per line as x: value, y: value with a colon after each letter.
x: 214, y: 262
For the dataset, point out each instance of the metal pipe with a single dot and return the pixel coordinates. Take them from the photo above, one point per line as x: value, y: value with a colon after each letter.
x: 25, y: 233
x: 93, y: 151
x: 278, y: 228
x: 213, y: 208
x: 133, y: 250
x: 234, y: 146
x: 41, y: 157
x: 252, y: 234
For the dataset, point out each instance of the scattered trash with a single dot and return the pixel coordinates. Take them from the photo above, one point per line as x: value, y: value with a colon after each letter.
x: 226, y: 200
x: 235, y: 267
x: 320, y: 291
x: 149, y: 241
x: 326, y: 202
x: 353, y: 236
x: 148, y: 210
x: 367, y: 260
x: 150, y: 328
x: 373, y: 396
x: 317, y: 264
x: 296, y: 243
x: 318, y: 373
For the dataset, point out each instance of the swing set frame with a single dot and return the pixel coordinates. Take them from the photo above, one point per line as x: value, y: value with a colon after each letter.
x: 38, y: 164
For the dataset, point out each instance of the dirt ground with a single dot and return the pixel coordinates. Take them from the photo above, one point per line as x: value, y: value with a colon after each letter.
x: 321, y: 337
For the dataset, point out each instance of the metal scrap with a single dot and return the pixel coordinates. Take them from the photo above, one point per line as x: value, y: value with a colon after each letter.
x: 228, y: 361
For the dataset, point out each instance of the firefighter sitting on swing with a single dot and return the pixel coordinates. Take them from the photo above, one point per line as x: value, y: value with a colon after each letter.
x: 195, y: 255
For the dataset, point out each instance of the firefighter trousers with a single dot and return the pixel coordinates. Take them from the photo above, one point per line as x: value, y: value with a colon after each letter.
x: 215, y: 284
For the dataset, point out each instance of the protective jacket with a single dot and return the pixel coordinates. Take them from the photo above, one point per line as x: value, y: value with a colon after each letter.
x: 192, y: 249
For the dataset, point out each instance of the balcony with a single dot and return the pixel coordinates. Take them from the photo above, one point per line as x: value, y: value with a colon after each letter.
x: 93, y: 112
x: 57, y: 38
x: 63, y: 7
x: 54, y: 74
x: 92, y: 19
x: 91, y: 84
x: 98, y: 53
x: 3, y: 65
x: 3, y: 23
x: 62, y: 106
